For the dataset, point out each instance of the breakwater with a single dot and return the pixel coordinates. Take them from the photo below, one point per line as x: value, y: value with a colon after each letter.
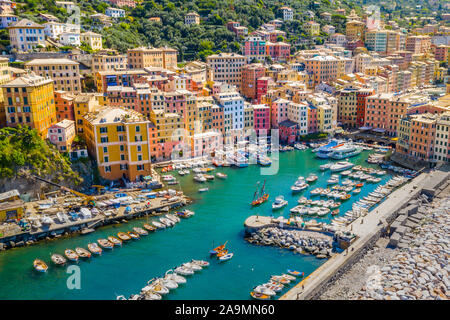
x: 368, y: 231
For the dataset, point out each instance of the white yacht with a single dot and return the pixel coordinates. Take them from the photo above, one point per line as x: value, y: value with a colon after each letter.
x: 341, y: 166
x: 279, y: 203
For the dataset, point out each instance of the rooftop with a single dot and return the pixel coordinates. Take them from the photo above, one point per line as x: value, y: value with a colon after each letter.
x: 41, y: 62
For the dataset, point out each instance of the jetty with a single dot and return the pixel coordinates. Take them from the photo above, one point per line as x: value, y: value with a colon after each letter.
x: 368, y: 230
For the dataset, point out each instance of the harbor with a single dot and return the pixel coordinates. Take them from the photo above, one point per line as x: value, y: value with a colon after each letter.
x: 219, y: 217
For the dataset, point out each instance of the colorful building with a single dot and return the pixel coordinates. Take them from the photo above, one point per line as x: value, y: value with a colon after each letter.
x: 29, y: 101
x: 61, y: 134
x: 140, y: 58
x: 250, y: 74
x: 26, y: 35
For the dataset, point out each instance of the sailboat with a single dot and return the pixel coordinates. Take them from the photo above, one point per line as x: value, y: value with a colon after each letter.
x: 262, y: 197
x: 218, y: 249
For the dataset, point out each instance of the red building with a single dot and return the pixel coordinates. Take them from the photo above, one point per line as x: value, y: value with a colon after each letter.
x: 262, y: 84
x: 261, y: 118
x: 312, y: 119
x: 64, y: 105
x: 278, y: 51
x: 361, y: 101
x: 250, y: 74
x: 288, y: 131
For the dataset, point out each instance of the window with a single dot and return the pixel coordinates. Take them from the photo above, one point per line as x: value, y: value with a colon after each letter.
x: 107, y: 169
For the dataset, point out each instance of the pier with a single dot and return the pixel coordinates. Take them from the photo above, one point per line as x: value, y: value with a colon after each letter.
x: 56, y: 230
x: 368, y: 230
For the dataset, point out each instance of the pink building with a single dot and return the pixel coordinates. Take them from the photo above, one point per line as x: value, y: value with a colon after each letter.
x: 123, y: 3
x: 62, y: 134
x: 289, y: 131
x: 278, y: 51
x: 279, y: 112
x: 261, y: 117
x: 254, y: 48
x: 312, y: 119
x: 262, y: 84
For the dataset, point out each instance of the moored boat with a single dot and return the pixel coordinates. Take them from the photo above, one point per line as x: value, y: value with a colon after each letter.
x: 201, y: 263
x: 149, y: 227
x: 82, y: 253
x: 279, y: 203
x: 133, y: 235
x: 140, y: 231
x: 40, y: 265
x: 221, y: 175
x: 226, y: 257
x: 58, y: 259
x: 295, y: 273
x: 184, y: 271
x: 71, y: 255
x: 115, y: 241
x: 94, y: 248
x: 159, y: 225
x: 123, y: 236
x: 259, y: 296
x: 104, y: 243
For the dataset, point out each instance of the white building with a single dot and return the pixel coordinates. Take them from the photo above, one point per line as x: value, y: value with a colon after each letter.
x: 233, y: 107
x: 192, y: 18
x: 298, y: 113
x: 288, y: 13
x: 115, y: 12
x: 26, y: 35
x: 70, y: 39
x: 6, y: 19
x: 202, y: 144
x: 54, y: 29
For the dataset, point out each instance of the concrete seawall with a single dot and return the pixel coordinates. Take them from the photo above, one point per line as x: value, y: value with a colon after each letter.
x: 368, y: 229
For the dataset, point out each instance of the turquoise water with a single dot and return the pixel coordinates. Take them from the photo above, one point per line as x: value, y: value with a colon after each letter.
x: 219, y: 216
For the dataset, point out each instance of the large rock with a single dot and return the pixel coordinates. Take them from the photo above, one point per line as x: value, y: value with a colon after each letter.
x: 395, y: 238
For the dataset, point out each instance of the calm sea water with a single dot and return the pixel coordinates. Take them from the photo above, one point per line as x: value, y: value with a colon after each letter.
x: 219, y: 217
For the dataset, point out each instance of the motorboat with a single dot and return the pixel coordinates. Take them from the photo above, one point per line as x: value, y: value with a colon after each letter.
x: 94, y: 248
x: 288, y: 276
x: 323, y: 212
x: 140, y: 231
x: 341, y: 166
x: 277, y: 287
x: 104, y: 243
x: 201, y: 263
x: 115, y: 241
x: 58, y: 259
x: 192, y: 266
x: 203, y: 189
x: 221, y: 175
x: 173, y: 218
x: 346, y: 172
x: 83, y: 253
x: 356, y: 191
x: 150, y: 295
x: 168, y: 283
x: 134, y: 235
x: 312, y: 177
x: 199, y: 178
x: 324, y: 152
x: 40, y: 265
x: 226, y: 257
x: 333, y: 179
x: 335, y: 212
x: 259, y: 296
x: 264, y: 290
x: 279, y: 203
x: 171, y: 275
x: 185, y: 213
x: 157, y: 287
x: 149, y: 227
x: 159, y: 225
x: 123, y: 236
x: 280, y: 279
x: 326, y: 166
x: 167, y: 222
x: 344, y: 151
x: 299, y: 186
x: 185, y: 271
x: 71, y: 255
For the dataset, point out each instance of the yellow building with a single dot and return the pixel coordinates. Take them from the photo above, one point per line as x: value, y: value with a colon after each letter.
x: 140, y: 58
x: 94, y: 40
x: 29, y: 100
x: 119, y: 140
x: 354, y: 30
x: 324, y: 118
x: 11, y: 206
x: 84, y: 103
x: 4, y: 78
x: 312, y: 28
x: 170, y: 131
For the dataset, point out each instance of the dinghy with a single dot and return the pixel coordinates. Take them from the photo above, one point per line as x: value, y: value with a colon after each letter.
x: 83, y: 253
x: 58, y: 259
x: 40, y: 265
x: 133, y: 235
x: 106, y: 244
x: 226, y: 257
x: 71, y: 255
x: 259, y: 296
x: 123, y: 236
x: 140, y: 231
x: 94, y: 248
x: 115, y: 241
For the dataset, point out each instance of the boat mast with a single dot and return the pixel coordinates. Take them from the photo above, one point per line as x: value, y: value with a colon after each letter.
x: 262, y: 190
x: 256, y: 192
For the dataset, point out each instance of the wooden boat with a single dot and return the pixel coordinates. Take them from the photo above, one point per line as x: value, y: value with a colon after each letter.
x: 134, y: 235
x: 335, y: 212
x: 106, y: 244
x: 140, y: 231
x: 226, y: 257
x: 115, y: 241
x: 71, y: 255
x: 357, y: 190
x: 295, y: 273
x: 222, y: 253
x: 40, y: 265
x: 359, y: 185
x: 259, y: 296
x: 346, y: 197
x: 261, y: 198
x: 218, y: 249
x: 58, y: 259
x: 123, y: 236
x: 149, y: 227
x: 94, y: 248
x: 83, y: 253
x: 221, y: 175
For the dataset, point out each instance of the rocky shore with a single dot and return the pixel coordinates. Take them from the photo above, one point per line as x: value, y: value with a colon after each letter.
x: 304, y: 242
x: 417, y: 270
